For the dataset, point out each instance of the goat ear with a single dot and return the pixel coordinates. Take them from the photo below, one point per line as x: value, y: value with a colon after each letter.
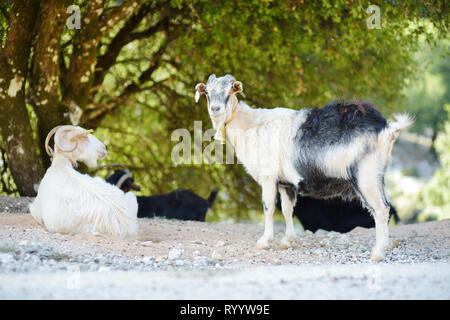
x: 199, y: 90
x: 237, y: 88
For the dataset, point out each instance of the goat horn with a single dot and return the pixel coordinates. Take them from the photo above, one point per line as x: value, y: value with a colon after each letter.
x: 49, y: 150
x: 67, y: 150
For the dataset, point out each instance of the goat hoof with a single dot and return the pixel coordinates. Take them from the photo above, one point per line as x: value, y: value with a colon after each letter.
x: 263, y: 243
x: 376, y: 258
x: 377, y: 255
x: 286, y: 242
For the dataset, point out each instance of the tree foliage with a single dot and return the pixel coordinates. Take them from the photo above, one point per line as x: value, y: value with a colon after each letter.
x: 435, y: 197
x: 429, y: 89
x: 131, y: 68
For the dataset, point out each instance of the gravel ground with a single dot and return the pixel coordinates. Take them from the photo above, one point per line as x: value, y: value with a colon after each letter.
x: 15, y: 204
x: 199, y: 260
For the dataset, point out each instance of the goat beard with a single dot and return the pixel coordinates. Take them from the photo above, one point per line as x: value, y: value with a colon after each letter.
x: 218, y: 124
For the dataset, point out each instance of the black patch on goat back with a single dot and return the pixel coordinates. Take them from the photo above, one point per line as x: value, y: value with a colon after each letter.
x: 340, y: 121
x: 336, y: 124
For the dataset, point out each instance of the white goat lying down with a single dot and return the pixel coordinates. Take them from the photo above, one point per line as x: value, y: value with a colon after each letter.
x: 71, y: 202
x: 340, y: 150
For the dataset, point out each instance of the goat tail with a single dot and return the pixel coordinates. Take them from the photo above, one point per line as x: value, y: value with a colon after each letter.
x: 212, y: 197
x: 404, y: 121
x: 387, y: 137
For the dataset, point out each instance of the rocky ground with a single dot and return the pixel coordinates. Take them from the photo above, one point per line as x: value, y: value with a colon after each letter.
x: 200, y: 260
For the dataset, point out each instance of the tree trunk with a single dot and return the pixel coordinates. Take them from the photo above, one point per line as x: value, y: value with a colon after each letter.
x: 44, y: 80
x: 23, y: 160
x: 33, y: 59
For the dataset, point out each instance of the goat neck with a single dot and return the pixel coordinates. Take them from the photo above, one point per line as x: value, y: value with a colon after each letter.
x: 242, y: 117
x: 61, y: 159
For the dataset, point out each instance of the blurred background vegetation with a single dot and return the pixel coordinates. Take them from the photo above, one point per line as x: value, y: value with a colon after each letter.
x: 131, y: 69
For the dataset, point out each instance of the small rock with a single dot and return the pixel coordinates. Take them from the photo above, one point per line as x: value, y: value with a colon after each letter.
x: 175, y: 254
x: 180, y: 263
x: 215, y: 255
x: 200, y: 261
x: 159, y: 259
x: 343, y: 239
x: 412, y: 234
x: 148, y: 259
x: 305, y: 244
x: 318, y: 252
x: 333, y: 234
x: 6, y: 258
x: 221, y: 243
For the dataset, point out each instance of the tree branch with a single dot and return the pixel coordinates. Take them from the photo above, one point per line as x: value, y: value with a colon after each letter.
x: 78, y: 79
x: 107, y: 60
x: 125, y: 36
x: 162, y: 24
x: 108, y: 21
x: 147, y: 74
x: 92, y: 117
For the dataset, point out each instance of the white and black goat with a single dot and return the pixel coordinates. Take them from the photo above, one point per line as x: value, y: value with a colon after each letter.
x: 71, y: 202
x: 340, y: 150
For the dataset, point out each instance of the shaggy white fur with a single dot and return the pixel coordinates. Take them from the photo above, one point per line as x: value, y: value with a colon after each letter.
x: 277, y: 152
x: 71, y: 202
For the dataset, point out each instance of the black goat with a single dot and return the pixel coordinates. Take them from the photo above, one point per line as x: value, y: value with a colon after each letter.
x: 179, y: 204
x: 334, y: 214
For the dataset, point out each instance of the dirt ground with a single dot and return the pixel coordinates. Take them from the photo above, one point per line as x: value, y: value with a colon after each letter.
x: 200, y: 260
x: 234, y: 244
